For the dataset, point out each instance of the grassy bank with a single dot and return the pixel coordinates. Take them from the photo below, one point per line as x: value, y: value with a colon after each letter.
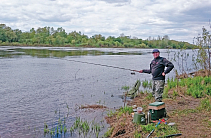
x: 188, y: 105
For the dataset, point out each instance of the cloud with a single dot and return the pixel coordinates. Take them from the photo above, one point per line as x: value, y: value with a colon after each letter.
x: 116, y: 1
x: 180, y: 19
x: 6, y: 18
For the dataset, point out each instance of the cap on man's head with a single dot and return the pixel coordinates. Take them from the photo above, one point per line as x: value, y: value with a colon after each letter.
x: 155, y: 51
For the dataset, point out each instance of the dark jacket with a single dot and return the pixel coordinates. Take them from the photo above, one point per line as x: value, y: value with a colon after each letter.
x: 157, y: 67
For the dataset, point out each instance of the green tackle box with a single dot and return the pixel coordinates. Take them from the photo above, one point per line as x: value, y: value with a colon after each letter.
x: 157, y: 110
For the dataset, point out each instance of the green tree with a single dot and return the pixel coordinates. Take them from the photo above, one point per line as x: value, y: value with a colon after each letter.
x: 51, y: 36
x: 10, y: 35
x: 2, y: 32
x: 18, y: 34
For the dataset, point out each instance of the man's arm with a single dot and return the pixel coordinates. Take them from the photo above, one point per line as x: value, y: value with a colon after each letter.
x: 146, y: 70
x: 168, y: 64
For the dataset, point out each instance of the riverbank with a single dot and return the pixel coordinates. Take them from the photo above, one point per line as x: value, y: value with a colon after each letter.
x: 191, y: 115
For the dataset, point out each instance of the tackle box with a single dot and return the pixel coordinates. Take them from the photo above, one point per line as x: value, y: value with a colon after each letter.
x: 157, y: 110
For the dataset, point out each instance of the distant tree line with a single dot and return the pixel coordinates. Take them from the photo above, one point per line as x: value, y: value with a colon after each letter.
x: 48, y: 36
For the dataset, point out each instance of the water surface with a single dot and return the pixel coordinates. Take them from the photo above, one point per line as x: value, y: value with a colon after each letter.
x: 39, y: 83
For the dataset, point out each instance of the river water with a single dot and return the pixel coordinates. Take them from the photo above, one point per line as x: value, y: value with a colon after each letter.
x: 39, y: 85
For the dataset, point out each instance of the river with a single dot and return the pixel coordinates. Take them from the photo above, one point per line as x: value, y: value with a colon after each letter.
x: 39, y: 85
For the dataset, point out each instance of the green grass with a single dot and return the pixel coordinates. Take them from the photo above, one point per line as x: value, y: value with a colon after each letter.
x: 175, y: 93
x: 111, y: 113
x: 46, y: 130
x: 205, y: 104
x: 161, y: 130
x: 85, y: 127
x: 147, y: 84
x: 184, y: 112
x: 209, y: 123
x: 197, y: 87
x: 172, y: 83
x: 125, y: 88
x: 108, y: 132
x: 126, y: 109
x: 165, y: 93
x: 149, y: 96
x: 82, y: 127
x: 137, y: 134
x: 147, y: 128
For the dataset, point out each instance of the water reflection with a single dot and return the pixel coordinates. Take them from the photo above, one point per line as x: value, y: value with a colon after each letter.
x: 48, y: 52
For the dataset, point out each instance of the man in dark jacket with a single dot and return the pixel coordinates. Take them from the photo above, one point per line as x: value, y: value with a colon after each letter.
x: 157, y: 68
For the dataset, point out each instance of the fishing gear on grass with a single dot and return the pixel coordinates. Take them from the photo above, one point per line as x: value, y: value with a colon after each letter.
x: 169, y: 136
x: 153, y: 129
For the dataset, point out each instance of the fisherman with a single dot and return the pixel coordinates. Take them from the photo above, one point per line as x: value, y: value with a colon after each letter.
x: 157, y: 68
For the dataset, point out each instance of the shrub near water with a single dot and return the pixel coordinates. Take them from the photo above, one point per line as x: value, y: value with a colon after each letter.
x: 126, y: 109
x: 197, y: 87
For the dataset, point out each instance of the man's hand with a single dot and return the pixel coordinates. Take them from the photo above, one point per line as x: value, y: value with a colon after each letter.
x: 140, y: 71
x: 163, y: 74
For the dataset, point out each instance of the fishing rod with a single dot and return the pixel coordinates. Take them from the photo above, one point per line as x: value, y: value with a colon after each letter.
x: 133, y: 71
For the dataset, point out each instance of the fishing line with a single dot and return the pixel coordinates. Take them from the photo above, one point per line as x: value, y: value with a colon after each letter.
x: 97, y: 64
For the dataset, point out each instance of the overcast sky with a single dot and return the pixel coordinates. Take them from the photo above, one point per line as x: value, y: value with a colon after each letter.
x: 181, y: 20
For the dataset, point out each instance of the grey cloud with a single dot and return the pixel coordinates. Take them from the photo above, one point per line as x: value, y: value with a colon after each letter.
x: 174, y: 26
x: 116, y: 1
x: 55, y: 18
x: 7, y: 18
x: 179, y: 33
x: 124, y: 28
x: 202, y: 14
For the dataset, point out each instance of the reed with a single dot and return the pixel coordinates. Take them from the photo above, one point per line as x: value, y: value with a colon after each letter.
x: 82, y: 127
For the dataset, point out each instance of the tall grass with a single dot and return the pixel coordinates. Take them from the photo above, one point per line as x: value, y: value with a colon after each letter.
x: 126, y: 109
x: 146, y: 84
x: 161, y: 130
x: 82, y: 127
x: 197, y: 87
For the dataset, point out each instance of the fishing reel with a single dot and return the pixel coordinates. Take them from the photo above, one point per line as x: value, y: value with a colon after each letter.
x: 133, y: 73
